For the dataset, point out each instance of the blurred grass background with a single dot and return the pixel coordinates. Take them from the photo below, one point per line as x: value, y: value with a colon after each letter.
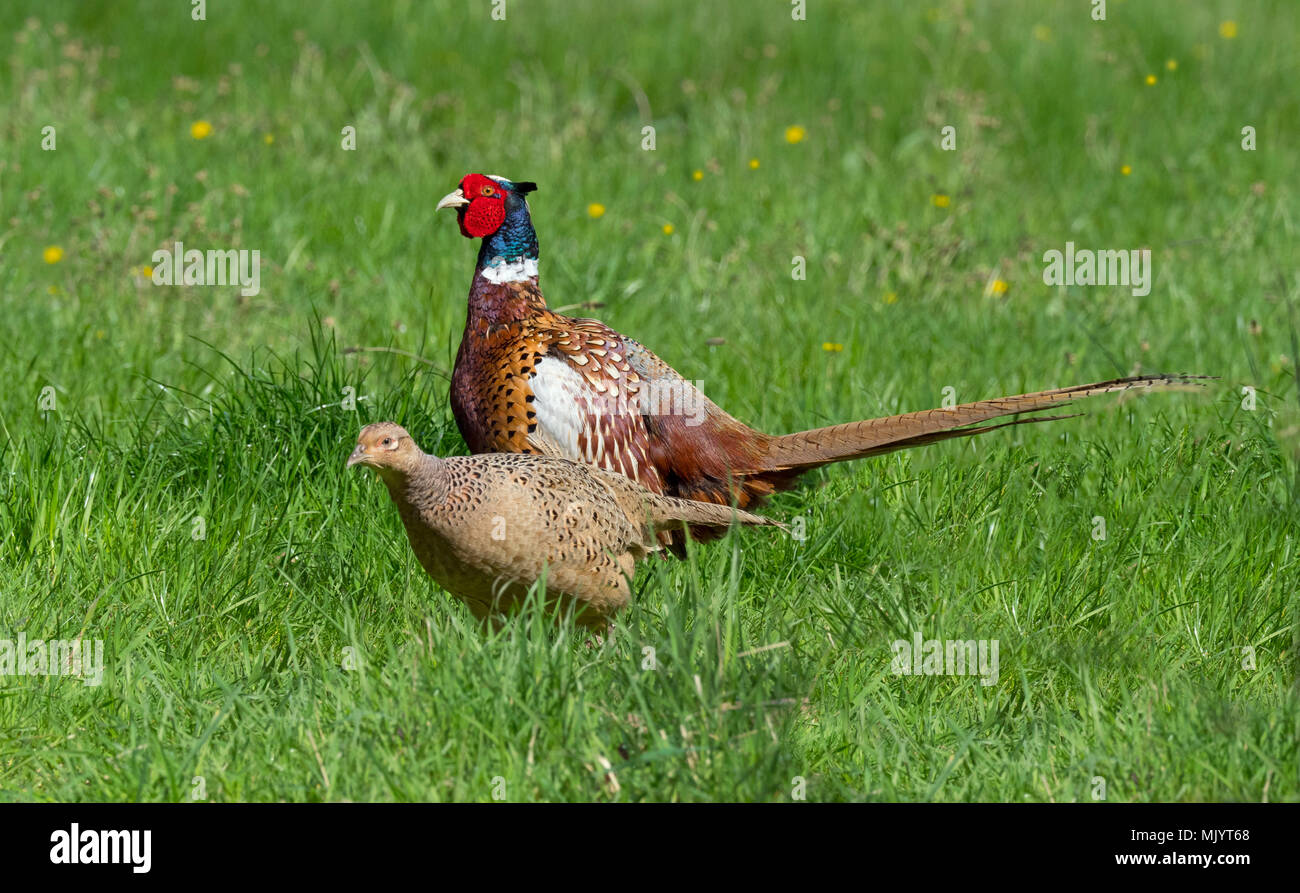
x: 1122, y: 659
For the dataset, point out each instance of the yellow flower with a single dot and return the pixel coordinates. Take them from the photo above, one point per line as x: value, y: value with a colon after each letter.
x: 1172, y: 64
x: 832, y: 347
x: 1151, y: 80
x: 200, y: 130
x: 668, y: 229
x: 1228, y: 29
x: 998, y: 287
x: 52, y: 254
x: 940, y: 200
x: 890, y: 297
x: 146, y: 271
x: 595, y: 210
x: 795, y: 134
x: 697, y: 176
x: 1126, y: 170
x: 1043, y: 33
x: 753, y: 164
x: 268, y: 138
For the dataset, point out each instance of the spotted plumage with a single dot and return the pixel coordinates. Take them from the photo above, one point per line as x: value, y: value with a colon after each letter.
x: 530, y: 380
x: 487, y: 527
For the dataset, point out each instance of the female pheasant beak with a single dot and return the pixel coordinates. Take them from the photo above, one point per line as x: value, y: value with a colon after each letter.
x: 358, y: 456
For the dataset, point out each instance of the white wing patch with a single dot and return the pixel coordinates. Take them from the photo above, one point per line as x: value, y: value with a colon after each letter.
x: 561, y: 399
x: 579, y: 422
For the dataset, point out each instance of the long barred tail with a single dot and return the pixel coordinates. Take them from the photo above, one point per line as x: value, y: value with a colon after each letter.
x: 872, y: 437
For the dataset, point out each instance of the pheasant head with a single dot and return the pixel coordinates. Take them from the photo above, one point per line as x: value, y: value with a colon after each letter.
x: 388, y: 449
x: 404, y: 468
x: 494, y: 209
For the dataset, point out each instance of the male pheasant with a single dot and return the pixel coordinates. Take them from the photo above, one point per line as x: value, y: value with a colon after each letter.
x: 488, y: 527
x: 528, y: 380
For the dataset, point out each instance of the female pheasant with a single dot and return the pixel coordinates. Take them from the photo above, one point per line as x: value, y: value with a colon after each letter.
x: 528, y: 380
x: 488, y: 527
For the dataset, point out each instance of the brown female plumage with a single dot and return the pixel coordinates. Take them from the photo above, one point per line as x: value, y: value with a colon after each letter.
x: 487, y: 527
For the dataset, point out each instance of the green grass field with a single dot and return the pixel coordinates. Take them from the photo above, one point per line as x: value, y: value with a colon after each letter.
x: 288, y: 646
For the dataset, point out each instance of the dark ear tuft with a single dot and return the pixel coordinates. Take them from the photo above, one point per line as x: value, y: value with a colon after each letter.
x: 525, y: 187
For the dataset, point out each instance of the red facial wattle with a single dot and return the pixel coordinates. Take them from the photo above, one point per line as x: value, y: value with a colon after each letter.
x: 482, y: 216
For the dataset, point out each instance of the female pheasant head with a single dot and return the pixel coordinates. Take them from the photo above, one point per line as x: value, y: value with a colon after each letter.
x: 494, y: 209
x: 388, y: 449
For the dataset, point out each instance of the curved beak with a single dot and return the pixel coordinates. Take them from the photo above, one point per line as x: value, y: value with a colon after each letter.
x: 452, y: 200
x: 358, y: 455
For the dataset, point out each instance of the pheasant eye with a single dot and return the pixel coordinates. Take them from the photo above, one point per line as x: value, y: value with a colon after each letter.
x: 387, y: 441
x: 486, y: 190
